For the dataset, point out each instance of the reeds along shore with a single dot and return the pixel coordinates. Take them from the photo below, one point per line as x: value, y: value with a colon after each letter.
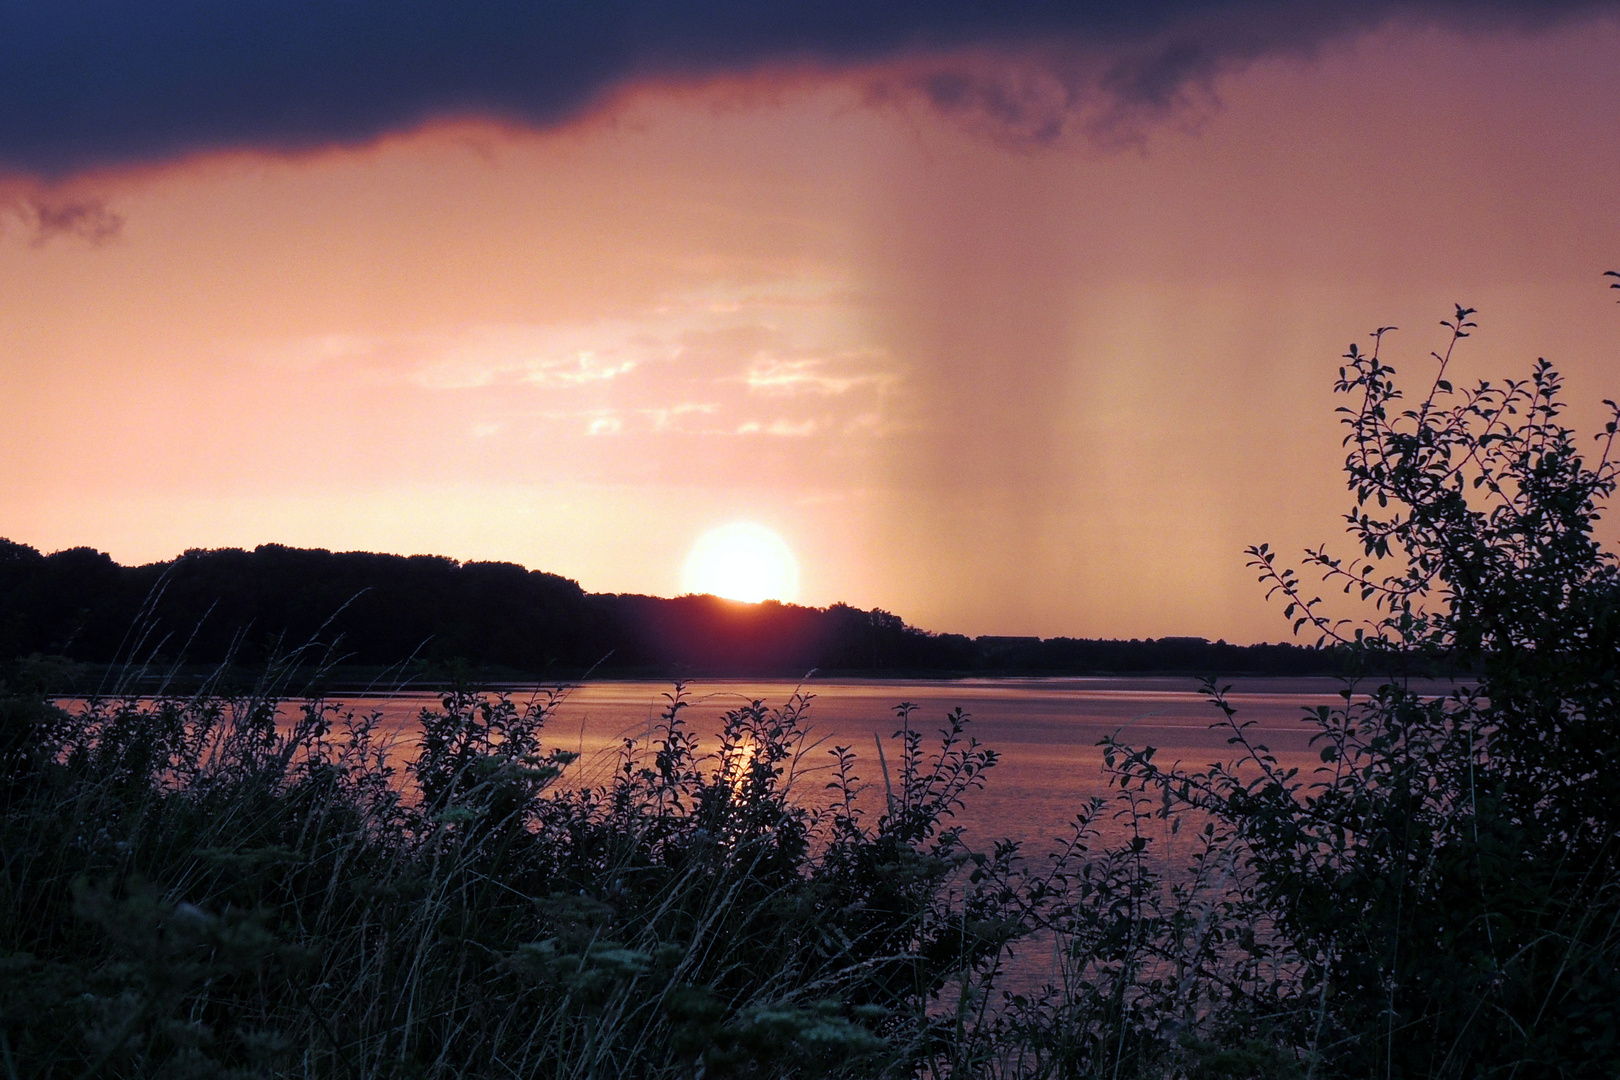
x: 189, y: 889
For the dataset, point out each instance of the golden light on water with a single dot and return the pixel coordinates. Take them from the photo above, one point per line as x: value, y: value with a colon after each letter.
x: 742, y: 561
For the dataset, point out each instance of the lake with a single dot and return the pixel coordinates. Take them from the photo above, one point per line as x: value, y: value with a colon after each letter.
x: 1046, y: 730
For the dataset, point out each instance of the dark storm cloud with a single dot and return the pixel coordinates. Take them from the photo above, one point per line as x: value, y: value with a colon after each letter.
x: 88, y: 83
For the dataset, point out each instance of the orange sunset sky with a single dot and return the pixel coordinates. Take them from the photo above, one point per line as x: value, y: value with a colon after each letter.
x: 993, y: 375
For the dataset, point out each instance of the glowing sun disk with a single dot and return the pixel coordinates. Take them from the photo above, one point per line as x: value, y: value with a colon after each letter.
x: 742, y: 561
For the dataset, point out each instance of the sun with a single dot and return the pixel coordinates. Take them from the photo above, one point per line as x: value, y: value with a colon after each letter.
x: 742, y: 561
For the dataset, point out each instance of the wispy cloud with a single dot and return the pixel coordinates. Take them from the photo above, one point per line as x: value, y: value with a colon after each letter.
x: 86, y: 219
x: 792, y: 429
x: 553, y: 358
x: 583, y: 369
x: 48, y: 215
x: 775, y: 375
x: 697, y: 364
x: 669, y: 418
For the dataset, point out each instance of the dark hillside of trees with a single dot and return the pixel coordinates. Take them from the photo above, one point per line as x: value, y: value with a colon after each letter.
x: 373, y: 610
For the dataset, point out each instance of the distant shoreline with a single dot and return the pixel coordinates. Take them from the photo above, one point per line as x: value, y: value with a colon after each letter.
x: 352, y: 618
x: 86, y: 679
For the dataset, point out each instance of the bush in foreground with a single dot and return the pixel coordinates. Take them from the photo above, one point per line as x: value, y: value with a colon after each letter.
x: 1442, y: 897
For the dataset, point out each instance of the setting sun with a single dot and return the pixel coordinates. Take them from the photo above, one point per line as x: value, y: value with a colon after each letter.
x: 742, y: 561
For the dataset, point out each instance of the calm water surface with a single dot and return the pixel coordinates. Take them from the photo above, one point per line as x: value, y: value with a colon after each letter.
x: 1046, y: 730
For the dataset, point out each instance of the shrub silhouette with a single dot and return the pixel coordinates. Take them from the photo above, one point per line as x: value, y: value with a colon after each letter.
x: 1444, y: 893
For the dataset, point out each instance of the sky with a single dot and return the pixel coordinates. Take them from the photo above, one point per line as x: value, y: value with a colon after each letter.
x: 1010, y: 319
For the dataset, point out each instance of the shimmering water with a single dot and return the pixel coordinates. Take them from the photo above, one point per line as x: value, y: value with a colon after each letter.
x: 1046, y: 730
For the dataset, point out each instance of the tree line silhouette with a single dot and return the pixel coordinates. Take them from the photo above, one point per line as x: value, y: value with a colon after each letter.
x: 363, y: 609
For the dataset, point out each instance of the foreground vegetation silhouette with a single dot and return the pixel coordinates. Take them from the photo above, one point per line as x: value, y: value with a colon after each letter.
x: 190, y: 889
